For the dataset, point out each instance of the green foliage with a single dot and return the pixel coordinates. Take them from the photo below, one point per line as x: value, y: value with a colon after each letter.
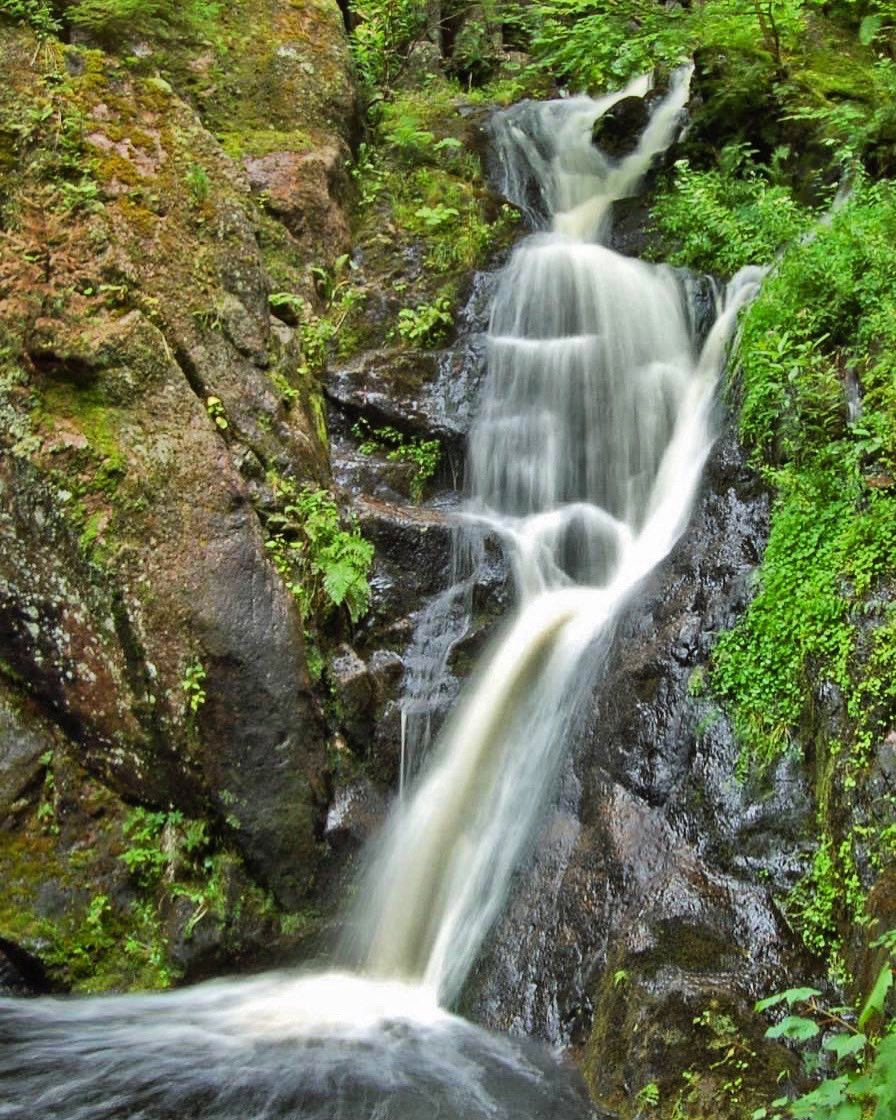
x: 722, y: 219
x: 596, y: 43
x: 174, y: 856
x: 857, y: 1052
x: 829, y: 308
x: 830, y: 889
x: 215, y: 409
x: 424, y: 454
x: 436, y: 217
x: 648, y: 1094
x: 192, y: 685
x: 427, y: 324
x: 384, y: 34
x: 323, y: 562
x: 40, y: 15
x: 198, y: 182
x: 340, y: 299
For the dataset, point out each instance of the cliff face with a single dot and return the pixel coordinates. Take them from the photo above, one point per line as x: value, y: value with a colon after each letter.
x: 151, y: 655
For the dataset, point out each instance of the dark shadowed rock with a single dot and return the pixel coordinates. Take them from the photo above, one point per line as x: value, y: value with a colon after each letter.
x: 24, y: 739
x: 618, y: 130
x: 21, y: 973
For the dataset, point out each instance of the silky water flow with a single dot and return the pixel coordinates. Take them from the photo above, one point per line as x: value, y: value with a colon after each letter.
x: 592, y: 431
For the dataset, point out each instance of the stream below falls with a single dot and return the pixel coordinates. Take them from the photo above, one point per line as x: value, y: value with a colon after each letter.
x: 591, y: 433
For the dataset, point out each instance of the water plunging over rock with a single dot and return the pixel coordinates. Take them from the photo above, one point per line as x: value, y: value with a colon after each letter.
x: 584, y: 459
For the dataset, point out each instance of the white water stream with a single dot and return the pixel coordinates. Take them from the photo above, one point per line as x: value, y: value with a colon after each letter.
x: 585, y: 458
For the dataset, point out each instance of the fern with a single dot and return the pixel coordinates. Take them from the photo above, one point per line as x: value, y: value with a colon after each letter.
x: 324, y: 563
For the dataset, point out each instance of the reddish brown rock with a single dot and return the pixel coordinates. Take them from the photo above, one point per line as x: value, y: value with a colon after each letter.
x: 301, y: 189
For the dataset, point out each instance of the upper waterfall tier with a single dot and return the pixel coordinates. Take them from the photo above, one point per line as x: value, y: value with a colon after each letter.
x: 548, y: 166
x: 589, y: 359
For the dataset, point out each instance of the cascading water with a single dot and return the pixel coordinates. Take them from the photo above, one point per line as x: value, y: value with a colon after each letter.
x: 584, y: 460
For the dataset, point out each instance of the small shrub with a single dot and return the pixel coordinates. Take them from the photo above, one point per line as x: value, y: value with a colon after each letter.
x: 722, y: 219
x: 198, y: 182
x: 37, y: 14
x: 192, y: 685
x: 424, y: 454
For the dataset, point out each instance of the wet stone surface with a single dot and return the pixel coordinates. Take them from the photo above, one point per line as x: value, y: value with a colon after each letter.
x: 656, y: 863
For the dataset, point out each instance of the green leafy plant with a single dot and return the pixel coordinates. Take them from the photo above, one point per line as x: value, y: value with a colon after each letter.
x: 424, y: 454
x: 192, y: 685
x: 40, y: 15
x: 649, y: 1095
x: 215, y: 408
x: 436, y: 217
x: 198, y: 182
x: 427, y: 323
x: 46, y: 809
x: 857, y: 1051
x: 172, y: 854
x: 383, y: 37
x: 323, y: 562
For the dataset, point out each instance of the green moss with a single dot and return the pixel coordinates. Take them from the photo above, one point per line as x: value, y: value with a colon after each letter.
x: 262, y: 142
x: 90, y: 410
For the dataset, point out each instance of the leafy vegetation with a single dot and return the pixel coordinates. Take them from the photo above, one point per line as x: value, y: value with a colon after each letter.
x: 728, y: 216
x: 823, y: 321
x: 37, y: 14
x: 815, y: 386
x: 424, y: 454
x: 383, y: 38
x: 193, y: 685
x: 323, y: 561
x: 853, y: 1047
x: 427, y: 324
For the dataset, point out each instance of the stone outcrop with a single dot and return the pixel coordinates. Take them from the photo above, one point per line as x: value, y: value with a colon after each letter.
x: 147, y: 398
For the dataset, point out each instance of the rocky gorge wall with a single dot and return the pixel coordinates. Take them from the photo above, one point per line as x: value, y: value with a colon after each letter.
x: 155, y: 691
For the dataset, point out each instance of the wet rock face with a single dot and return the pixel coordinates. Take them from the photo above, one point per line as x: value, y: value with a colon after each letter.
x: 656, y: 865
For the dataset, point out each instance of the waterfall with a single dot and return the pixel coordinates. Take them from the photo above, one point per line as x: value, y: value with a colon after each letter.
x: 584, y: 460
